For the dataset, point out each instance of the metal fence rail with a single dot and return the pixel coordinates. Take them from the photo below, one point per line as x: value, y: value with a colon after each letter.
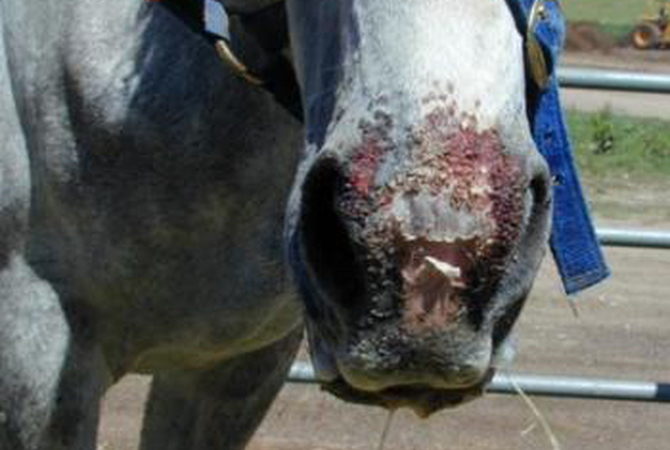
x: 576, y: 77
x: 541, y: 385
x: 634, y: 238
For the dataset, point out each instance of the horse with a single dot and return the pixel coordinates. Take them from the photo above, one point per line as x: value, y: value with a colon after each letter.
x: 162, y: 214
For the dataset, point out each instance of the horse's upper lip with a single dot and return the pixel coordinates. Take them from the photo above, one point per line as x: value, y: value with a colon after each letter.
x: 423, y: 400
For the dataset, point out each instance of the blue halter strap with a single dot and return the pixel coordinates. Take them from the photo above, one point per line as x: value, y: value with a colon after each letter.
x: 574, y: 244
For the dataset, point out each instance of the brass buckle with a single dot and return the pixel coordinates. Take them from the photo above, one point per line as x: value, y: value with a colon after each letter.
x: 537, y: 62
x: 217, y: 25
x: 228, y: 57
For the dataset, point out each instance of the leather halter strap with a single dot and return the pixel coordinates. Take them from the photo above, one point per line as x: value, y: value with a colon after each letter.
x: 267, y: 26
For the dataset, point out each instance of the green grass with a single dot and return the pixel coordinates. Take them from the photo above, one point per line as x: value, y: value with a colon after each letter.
x: 607, y: 145
x: 606, y: 12
x: 625, y: 165
x: 615, y: 17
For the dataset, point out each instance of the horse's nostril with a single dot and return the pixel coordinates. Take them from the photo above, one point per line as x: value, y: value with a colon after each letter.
x: 328, y: 248
x: 434, y: 276
x: 540, y: 189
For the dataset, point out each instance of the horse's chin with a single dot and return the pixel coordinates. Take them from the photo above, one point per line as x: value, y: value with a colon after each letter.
x: 423, y: 400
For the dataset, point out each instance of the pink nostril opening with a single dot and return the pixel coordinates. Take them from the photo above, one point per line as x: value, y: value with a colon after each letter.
x: 433, y: 274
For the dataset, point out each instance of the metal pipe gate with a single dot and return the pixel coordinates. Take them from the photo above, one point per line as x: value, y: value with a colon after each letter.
x: 550, y: 386
x: 634, y: 238
x: 620, y: 80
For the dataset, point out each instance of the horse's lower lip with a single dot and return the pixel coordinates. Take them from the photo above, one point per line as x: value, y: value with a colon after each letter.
x: 421, y: 399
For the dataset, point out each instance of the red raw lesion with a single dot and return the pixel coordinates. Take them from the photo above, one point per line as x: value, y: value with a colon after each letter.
x: 482, y: 176
x: 461, y: 167
x: 449, y: 155
x: 365, y: 163
x: 369, y: 154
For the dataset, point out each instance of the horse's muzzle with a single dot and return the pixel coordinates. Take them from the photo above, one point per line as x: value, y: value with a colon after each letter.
x: 418, y: 267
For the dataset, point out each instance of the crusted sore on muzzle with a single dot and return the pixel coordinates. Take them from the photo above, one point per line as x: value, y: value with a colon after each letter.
x: 406, y: 254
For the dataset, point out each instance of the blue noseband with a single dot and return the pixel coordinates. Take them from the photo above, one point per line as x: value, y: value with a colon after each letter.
x: 574, y: 244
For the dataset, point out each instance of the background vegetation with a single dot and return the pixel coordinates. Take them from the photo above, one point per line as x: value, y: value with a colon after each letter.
x: 625, y: 165
x: 615, y: 17
x: 625, y: 161
x: 613, y: 146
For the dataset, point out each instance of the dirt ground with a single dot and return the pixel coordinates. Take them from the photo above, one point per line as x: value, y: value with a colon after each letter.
x: 621, y: 332
x: 620, y: 58
x: 586, y: 46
